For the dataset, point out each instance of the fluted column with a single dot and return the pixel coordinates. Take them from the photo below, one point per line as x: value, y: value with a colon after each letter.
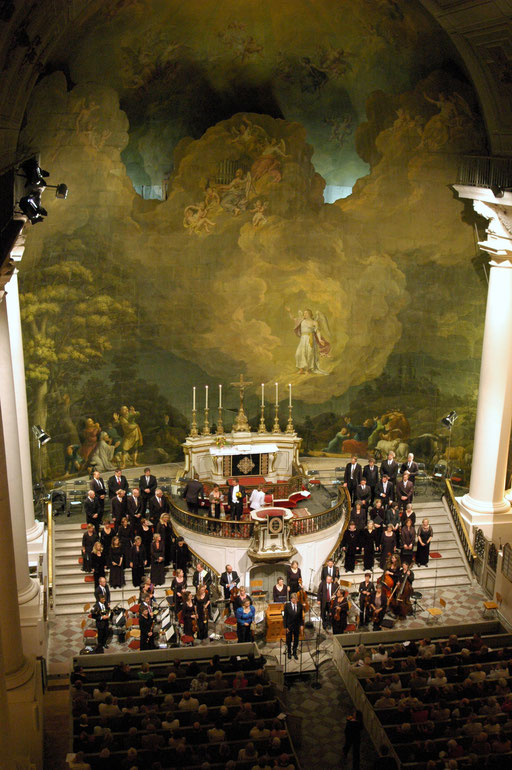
x: 34, y: 528
x: 27, y: 588
x: 485, y: 504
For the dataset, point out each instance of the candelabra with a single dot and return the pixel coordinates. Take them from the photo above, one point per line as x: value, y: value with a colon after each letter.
x: 262, y: 427
x: 220, y: 426
x: 276, y: 428
x: 193, y: 426
x: 206, y: 426
x: 289, y: 424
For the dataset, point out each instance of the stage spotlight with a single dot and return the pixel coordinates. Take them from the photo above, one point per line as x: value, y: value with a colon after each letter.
x: 41, y: 436
x: 61, y: 191
x: 30, y: 205
x: 497, y: 191
x: 449, y: 419
x: 33, y: 173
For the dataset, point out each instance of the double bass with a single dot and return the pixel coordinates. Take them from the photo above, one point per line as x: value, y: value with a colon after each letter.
x: 400, y: 602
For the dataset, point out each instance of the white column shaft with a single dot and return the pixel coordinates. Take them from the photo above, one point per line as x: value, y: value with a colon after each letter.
x: 13, y: 462
x: 494, y: 408
x: 34, y: 528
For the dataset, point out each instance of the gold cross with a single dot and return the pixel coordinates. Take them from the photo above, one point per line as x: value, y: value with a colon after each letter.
x: 241, y: 423
x: 242, y: 385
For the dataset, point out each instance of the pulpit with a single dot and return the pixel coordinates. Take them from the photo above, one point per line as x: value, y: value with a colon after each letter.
x: 271, y: 540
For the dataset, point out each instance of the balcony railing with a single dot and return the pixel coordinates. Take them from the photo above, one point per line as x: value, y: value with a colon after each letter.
x: 459, y: 523
x: 485, y: 171
x: 207, y: 525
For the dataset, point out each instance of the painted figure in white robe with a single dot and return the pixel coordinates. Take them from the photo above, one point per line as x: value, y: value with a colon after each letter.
x: 312, y: 343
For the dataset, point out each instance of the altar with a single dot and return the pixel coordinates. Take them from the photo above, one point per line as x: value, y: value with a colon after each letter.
x: 270, y: 453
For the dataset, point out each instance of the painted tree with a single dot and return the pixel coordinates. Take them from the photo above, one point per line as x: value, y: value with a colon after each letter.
x: 71, y: 314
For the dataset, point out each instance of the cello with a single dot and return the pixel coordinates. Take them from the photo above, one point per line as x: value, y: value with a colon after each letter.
x: 401, y: 603
x: 302, y: 597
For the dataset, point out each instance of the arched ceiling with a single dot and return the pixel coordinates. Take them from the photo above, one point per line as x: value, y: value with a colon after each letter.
x: 32, y: 32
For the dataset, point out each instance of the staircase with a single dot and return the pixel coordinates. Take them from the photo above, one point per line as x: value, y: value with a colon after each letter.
x: 70, y: 591
x: 449, y: 571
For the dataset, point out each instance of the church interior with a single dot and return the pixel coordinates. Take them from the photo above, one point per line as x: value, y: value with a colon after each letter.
x: 256, y: 365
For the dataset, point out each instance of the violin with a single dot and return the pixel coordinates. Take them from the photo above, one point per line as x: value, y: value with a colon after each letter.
x: 335, y: 610
x: 234, y: 593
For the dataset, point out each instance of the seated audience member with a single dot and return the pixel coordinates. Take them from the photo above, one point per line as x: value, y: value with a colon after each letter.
x: 259, y: 731
x: 188, y: 703
x: 109, y: 708
x: 217, y: 734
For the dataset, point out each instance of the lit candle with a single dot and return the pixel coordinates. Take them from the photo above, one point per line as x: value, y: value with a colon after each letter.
x: 290, y: 392
x: 194, y: 399
x: 206, y: 397
x: 277, y: 394
x: 220, y: 396
x: 262, y: 394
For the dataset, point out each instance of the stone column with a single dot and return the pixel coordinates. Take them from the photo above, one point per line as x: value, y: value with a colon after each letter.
x: 485, y: 505
x: 27, y: 588
x: 34, y: 528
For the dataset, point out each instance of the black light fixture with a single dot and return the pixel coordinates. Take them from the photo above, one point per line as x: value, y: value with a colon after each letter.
x: 61, y: 190
x: 41, y: 436
x: 30, y: 205
x: 34, y: 173
x: 449, y: 419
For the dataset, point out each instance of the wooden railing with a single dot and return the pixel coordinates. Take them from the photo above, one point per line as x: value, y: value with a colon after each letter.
x: 335, y: 554
x: 207, y: 525
x: 460, y: 525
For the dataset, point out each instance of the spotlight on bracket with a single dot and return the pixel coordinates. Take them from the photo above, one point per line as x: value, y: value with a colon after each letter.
x: 30, y: 205
x: 34, y: 174
x: 41, y: 436
x: 449, y: 419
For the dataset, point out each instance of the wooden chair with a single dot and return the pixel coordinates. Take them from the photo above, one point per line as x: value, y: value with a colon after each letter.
x: 437, y: 612
x: 493, y: 607
x: 90, y: 635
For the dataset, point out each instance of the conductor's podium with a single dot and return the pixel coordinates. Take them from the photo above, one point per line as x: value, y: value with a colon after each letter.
x: 275, y: 626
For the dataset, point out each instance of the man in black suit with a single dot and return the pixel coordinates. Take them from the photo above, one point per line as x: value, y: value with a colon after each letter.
x: 98, y: 487
x: 329, y: 569
x: 135, y: 509
x: 363, y: 494
x: 92, y: 511
x: 353, y: 472
x: 390, y: 468
x: 102, y: 593
x: 410, y: 466
x: 385, y: 491
x: 201, y: 575
x: 229, y: 580
x: 117, y: 482
x: 326, y: 592
x: 236, y: 494
x: 293, y: 619
x: 118, y: 506
x: 366, y: 591
x: 147, y: 488
x: 158, y: 504
x: 371, y: 474
x: 193, y: 494
x: 404, y: 491
x: 101, y: 614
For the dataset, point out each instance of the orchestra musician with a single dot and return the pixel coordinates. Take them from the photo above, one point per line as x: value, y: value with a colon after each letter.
x: 366, y: 590
x: 240, y: 599
x: 101, y: 614
x: 326, y: 592
x: 401, y: 600
x: 201, y: 575
x: 293, y: 575
x: 378, y: 605
x: 280, y: 591
x: 293, y: 619
x: 202, y: 605
x: 339, y: 609
x: 229, y: 580
x: 189, y: 616
x: 178, y: 586
x: 147, y: 641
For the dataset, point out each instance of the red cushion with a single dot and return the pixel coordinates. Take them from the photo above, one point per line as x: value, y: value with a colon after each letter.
x: 230, y: 636
x: 135, y: 621
x: 80, y: 560
x: 134, y: 644
x: 269, y: 498
x: 435, y: 555
x: 135, y: 608
x: 89, y: 579
x: 83, y: 526
x: 90, y: 633
x: 185, y: 639
x: 350, y: 627
x: 230, y: 621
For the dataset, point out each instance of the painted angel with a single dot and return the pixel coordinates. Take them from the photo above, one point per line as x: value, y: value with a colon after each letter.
x: 313, y: 344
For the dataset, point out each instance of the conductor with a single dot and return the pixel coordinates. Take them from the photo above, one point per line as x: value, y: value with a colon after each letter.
x: 101, y: 614
x: 293, y: 617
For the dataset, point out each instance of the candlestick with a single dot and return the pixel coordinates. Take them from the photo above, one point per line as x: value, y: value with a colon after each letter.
x: 290, y: 393
x: 220, y: 396
x: 262, y: 394
x: 193, y: 399
x: 276, y: 428
x: 277, y: 394
x: 262, y: 427
x: 206, y: 397
x: 206, y: 426
x: 220, y: 426
x: 289, y: 425
x: 193, y: 426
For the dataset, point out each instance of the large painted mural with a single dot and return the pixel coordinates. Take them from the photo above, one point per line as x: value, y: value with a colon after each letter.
x: 260, y: 189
